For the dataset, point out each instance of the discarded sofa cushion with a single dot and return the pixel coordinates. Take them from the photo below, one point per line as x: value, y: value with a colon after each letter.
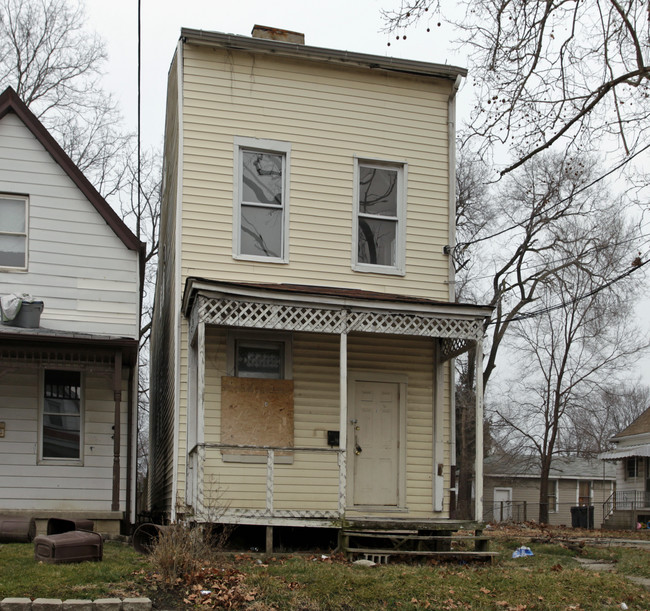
x: 17, y: 529
x: 74, y: 546
x: 56, y: 526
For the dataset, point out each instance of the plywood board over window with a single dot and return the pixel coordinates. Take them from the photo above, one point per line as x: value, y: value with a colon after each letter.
x: 259, y: 412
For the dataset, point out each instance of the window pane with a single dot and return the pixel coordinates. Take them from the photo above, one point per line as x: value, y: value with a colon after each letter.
x: 62, y: 414
x: 262, y: 178
x: 377, y: 191
x: 12, y: 215
x: 261, y: 231
x: 12, y: 251
x: 261, y: 362
x: 377, y: 241
x: 61, y: 436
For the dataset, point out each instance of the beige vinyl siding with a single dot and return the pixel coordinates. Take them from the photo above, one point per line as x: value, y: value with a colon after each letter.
x: 87, y: 278
x: 311, y: 482
x: 27, y: 485
x: 527, y: 489
x: 163, y: 346
x: 328, y: 114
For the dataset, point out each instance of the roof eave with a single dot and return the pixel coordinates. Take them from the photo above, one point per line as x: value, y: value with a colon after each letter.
x: 321, y: 54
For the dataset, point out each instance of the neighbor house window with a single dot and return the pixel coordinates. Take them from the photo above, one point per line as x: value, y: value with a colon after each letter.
x: 552, y: 496
x: 61, y: 417
x: 380, y: 202
x: 261, y: 199
x: 585, y: 489
x: 13, y: 232
x: 632, y: 466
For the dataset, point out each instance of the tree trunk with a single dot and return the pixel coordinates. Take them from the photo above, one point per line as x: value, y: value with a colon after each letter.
x: 543, y: 490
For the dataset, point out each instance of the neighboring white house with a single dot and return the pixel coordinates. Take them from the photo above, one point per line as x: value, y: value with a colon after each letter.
x: 630, y: 506
x: 67, y: 387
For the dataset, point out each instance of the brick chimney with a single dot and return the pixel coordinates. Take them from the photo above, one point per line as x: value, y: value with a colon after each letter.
x: 263, y: 31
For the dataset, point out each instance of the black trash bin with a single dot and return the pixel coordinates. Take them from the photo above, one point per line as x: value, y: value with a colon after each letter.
x: 582, y: 517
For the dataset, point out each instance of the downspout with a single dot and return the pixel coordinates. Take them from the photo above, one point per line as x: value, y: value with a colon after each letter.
x: 451, y: 148
x: 117, y: 395
x: 131, y: 450
x: 177, y: 283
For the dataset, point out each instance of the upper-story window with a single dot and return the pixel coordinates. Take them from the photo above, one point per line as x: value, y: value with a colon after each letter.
x: 380, y: 203
x: 261, y: 220
x: 13, y: 232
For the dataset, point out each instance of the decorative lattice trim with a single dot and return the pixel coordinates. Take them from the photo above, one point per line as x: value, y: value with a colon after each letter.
x: 285, y: 317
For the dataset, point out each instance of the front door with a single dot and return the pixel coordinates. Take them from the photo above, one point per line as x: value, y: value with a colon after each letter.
x: 374, y: 443
x: 502, y: 504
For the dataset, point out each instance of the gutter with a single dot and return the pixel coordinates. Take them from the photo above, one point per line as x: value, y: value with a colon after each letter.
x: 321, y: 54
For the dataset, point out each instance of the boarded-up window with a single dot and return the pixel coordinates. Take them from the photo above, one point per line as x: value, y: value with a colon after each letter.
x: 256, y: 412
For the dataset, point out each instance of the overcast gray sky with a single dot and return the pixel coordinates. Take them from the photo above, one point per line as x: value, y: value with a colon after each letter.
x: 352, y: 25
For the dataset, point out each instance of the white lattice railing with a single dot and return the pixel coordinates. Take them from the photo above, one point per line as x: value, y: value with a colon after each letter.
x: 270, y: 483
x: 289, y: 317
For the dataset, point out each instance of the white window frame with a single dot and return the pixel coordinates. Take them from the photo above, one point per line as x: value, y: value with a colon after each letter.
x: 399, y: 269
x: 278, y: 147
x: 553, y: 485
x: 47, y: 460
x: 25, y: 199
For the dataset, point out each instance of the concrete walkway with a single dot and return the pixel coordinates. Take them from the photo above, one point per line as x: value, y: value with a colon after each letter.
x: 55, y: 604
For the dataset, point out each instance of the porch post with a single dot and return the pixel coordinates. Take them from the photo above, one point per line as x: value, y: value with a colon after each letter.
x: 438, y: 440
x: 117, y: 394
x: 478, y: 467
x: 343, y: 422
x: 200, y: 416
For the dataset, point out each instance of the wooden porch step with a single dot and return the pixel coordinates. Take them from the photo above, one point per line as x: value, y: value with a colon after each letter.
x: 412, y: 537
x: 400, y: 552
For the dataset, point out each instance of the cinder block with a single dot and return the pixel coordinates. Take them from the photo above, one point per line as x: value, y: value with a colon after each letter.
x: 74, y: 604
x: 16, y: 604
x: 136, y: 604
x: 46, y: 604
x: 108, y: 604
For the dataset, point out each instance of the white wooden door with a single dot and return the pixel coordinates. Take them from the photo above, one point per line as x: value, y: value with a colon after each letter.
x: 502, y: 504
x: 374, y: 443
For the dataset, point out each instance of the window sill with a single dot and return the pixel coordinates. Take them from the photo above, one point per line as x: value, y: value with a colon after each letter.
x: 60, y: 462
x: 378, y: 269
x: 257, y: 259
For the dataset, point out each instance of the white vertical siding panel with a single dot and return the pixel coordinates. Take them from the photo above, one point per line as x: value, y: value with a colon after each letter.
x: 82, y: 271
x: 26, y: 484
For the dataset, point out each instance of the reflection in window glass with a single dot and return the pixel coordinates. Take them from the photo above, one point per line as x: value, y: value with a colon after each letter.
x: 262, y: 204
x: 378, y: 210
x: 13, y: 232
x: 62, y: 414
x: 260, y: 360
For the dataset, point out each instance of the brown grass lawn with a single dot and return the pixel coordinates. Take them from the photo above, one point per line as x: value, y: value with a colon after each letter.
x: 550, y: 579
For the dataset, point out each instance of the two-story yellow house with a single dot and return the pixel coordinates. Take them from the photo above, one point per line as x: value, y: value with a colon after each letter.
x: 305, y: 323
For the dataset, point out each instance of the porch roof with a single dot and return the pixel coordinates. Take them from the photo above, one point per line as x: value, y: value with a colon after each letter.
x: 627, y: 451
x: 315, y: 309
x: 18, y: 344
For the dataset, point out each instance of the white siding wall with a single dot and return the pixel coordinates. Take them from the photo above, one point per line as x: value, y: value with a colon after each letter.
x: 82, y: 271
x: 25, y: 484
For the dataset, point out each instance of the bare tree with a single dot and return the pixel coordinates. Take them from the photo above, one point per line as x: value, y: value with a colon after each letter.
x: 612, y: 409
x: 573, y: 74
x: 54, y: 64
x: 580, y: 338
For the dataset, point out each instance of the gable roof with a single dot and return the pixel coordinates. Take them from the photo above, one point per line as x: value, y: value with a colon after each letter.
x: 638, y: 427
x: 562, y: 467
x: 10, y: 102
x: 320, y: 54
